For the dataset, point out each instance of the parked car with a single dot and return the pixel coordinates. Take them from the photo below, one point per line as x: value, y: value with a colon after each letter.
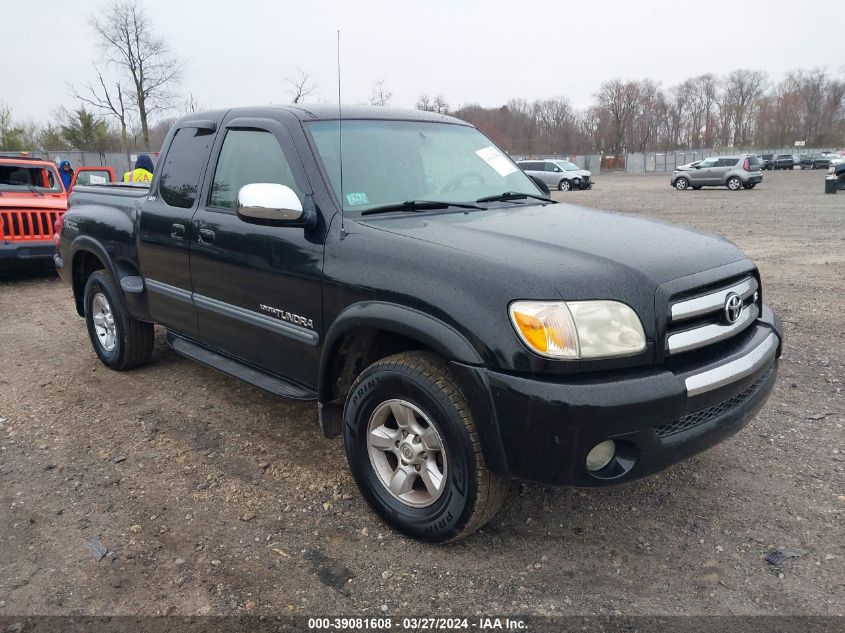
x: 768, y: 161
x: 32, y: 200
x: 784, y: 161
x: 734, y: 172
x: 838, y: 170
x: 457, y: 326
x: 558, y: 174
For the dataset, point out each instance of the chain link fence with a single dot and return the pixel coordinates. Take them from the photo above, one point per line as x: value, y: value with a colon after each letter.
x: 657, y: 162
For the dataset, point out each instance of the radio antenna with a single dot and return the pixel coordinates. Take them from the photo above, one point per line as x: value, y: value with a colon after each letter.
x: 340, y: 137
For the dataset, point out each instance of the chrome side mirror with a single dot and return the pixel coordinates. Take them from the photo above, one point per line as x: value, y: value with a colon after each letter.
x: 269, y: 203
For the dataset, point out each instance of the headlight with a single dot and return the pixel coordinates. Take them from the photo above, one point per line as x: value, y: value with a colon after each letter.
x: 578, y: 329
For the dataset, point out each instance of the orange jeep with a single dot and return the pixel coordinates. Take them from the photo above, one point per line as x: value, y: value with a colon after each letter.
x: 32, y: 200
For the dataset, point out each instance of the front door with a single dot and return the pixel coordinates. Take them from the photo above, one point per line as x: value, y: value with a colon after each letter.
x: 165, y: 228
x: 257, y: 288
x: 703, y: 174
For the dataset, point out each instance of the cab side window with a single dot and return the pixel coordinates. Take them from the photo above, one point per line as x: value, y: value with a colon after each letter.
x: 180, y: 175
x: 248, y: 156
x: 552, y: 167
x: 710, y: 162
x: 726, y: 162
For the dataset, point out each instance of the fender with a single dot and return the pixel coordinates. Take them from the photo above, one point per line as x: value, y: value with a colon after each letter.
x: 444, y: 339
x: 392, y: 317
x: 136, y: 302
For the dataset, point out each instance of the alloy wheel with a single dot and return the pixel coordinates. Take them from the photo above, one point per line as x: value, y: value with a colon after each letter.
x: 406, y: 453
x: 104, y: 322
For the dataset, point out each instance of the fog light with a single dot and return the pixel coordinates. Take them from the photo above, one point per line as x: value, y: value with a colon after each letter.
x: 601, y: 455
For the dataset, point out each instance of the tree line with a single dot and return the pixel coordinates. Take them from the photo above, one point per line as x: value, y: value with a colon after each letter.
x: 742, y: 110
x: 134, y: 96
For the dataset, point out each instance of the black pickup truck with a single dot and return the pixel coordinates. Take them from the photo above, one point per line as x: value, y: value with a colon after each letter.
x: 457, y: 326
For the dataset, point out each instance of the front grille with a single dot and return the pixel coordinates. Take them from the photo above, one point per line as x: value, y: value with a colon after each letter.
x: 698, y: 418
x: 698, y: 318
x: 27, y: 224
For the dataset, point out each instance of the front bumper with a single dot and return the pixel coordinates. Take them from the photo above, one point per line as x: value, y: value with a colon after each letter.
x: 41, y: 250
x: 656, y: 416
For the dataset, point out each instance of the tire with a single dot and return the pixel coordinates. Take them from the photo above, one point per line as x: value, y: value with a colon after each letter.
x: 696, y: 188
x: 419, y: 389
x: 564, y: 185
x: 120, y: 341
x: 734, y: 183
x: 682, y: 184
x: 749, y: 185
x: 842, y: 182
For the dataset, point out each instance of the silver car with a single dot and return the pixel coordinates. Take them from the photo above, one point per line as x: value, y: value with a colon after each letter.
x: 734, y: 172
x: 558, y: 174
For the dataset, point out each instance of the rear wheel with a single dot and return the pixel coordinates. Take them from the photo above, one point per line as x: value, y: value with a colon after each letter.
x: 749, y: 185
x: 681, y: 184
x: 697, y: 187
x: 120, y: 341
x: 734, y: 183
x: 564, y: 185
x: 842, y: 182
x: 414, y: 451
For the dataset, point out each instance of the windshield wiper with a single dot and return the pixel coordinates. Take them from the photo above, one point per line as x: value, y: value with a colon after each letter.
x: 417, y: 205
x: 513, y: 195
x: 21, y: 184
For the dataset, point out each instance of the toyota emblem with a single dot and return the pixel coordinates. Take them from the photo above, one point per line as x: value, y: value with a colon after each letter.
x: 733, y: 307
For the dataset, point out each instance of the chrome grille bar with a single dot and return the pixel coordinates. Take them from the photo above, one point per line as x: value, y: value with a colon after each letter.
x: 713, y: 301
x: 712, y: 333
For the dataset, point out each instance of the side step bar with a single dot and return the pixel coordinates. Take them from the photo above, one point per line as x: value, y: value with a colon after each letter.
x: 272, y: 384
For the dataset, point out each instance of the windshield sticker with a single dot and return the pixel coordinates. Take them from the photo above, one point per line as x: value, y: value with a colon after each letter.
x: 498, y: 161
x: 357, y: 198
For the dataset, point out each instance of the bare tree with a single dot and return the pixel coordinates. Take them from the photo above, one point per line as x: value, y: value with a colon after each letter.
x: 301, y: 86
x: 621, y: 99
x: 380, y: 96
x: 129, y: 42
x: 110, y: 98
x: 424, y: 103
x: 192, y: 104
x: 741, y: 95
x: 439, y: 105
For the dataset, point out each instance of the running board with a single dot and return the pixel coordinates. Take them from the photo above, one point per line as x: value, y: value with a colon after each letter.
x: 272, y: 384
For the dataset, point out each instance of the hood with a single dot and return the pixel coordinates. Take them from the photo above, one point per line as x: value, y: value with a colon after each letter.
x: 145, y: 162
x: 583, y: 253
x: 687, y: 167
x: 27, y: 200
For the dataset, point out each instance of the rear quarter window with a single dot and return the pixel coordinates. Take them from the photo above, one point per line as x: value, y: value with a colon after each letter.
x: 180, y: 175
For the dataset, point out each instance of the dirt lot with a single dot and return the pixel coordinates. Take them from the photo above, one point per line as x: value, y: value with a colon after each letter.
x: 212, y: 497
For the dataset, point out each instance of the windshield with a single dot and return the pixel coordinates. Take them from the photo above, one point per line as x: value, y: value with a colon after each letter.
x: 390, y: 162
x: 567, y: 166
x: 17, y: 177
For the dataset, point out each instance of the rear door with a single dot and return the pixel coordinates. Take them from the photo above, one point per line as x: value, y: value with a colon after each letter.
x: 257, y: 288
x: 720, y: 171
x: 164, y: 231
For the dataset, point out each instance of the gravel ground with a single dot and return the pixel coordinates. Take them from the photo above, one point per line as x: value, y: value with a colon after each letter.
x: 210, y: 497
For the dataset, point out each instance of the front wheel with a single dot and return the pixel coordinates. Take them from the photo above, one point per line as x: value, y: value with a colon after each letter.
x: 681, y: 184
x: 564, y: 185
x: 120, y: 341
x: 413, y: 449
x: 734, y: 183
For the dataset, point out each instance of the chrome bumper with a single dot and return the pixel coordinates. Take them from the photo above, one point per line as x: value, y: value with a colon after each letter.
x: 735, y: 370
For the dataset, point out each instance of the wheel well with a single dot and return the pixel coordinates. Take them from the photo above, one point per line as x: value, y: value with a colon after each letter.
x: 84, y: 264
x: 354, y: 352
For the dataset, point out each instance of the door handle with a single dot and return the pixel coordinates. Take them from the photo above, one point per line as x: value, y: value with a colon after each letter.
x: 177, y: 231
x: 206, y: 236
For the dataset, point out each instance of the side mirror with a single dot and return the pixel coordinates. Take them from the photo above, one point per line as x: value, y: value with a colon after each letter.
x: 270, y: 203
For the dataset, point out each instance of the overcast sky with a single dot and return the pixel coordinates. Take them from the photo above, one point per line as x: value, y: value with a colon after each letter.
x: 238, y: 52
